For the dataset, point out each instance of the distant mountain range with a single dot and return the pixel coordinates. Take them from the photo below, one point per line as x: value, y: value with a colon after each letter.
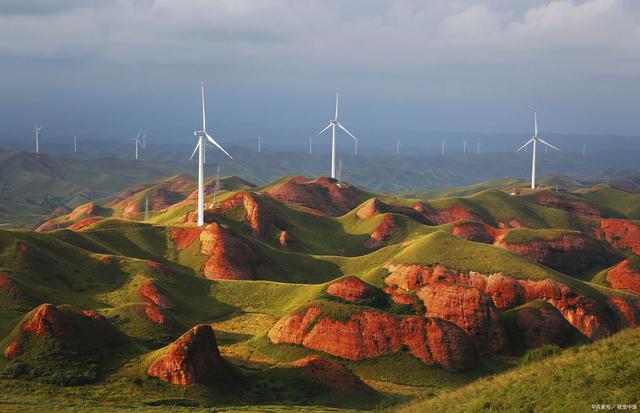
x: 32, y: 186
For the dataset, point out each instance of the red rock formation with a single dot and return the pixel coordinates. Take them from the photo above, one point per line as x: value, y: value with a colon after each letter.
x: 161, y: 267
x: 230, y: 258
x: 570, y: 254
x: 352, y: 289
x: 84, y: 210
x: 189, y: 358
x: 454, y: 214
x: 475, y: 231
x: 182, y: 237
x: 375, y: 207
x: 49, y: 225
x: 14, y: 348
x: 620, y: 233
x: 382, y: 233
x: 332, y: 374
x: 624, y: 276
x: 468, y: 308
x: 131, y: 209
x: 319, y: 196
x: 48, y: 320
x: 93, y: 316
x: 258, y: 214
x: 627, y: 311
x: 285, y: 239
x: 413, y: 276
x: 156, y: 315
x: 152, y: 294
x: 584, y: 313
x: 373, y: 333
x: 83, y: 223
x: 579, y: 207
x: 544, y: 325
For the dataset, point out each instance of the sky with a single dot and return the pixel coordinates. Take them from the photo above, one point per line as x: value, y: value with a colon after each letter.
x: 105, y: 68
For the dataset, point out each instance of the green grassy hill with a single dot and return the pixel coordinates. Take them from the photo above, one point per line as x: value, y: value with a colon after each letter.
x: 605, y: 372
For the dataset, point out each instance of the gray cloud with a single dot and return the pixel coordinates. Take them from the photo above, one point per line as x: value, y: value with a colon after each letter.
x: 469, y: 64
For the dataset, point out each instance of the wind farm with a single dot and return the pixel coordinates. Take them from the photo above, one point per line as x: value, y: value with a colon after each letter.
x: 436, y: 259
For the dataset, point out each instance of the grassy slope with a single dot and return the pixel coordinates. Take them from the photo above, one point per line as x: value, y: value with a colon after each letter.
x: 626, y: 204
x: 607, y: 371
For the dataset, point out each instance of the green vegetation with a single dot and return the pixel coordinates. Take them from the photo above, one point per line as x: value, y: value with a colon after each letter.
x: 605, y: 372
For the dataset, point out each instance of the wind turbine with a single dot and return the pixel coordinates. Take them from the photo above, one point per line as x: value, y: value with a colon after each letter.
x: 397, y: 146
x: 478, y: 153
x: 75, y: 144
x: 443, y: 148
x: 464, y: 148
x: 332, y: 124
x: 201, y: 135
x: 38, y: 129
x: 310, y: 145
x: 259, y: 143
x: 534, y: 140
x: 137, y: 142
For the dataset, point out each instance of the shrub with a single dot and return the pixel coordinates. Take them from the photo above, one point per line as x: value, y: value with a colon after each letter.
x: 541, y: 353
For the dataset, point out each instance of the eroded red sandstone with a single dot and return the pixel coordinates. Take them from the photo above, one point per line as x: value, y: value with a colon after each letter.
x: 189, y: 358
x: 382, y: 234
x: 620, y: 233
x: 48, y: 320
x: 332, y: 374
x: 152, y: 294
x: 579, y: 207
x: 352, y: 289
x: 230, y: 258
x: 624, y: 276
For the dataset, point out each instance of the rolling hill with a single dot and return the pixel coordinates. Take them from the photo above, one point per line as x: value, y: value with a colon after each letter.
x: 311, y: 295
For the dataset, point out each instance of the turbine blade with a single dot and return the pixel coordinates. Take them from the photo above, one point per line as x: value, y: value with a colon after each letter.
x: 548, y: 144
x: 535, y: 123
x: 328, y: 126
x: 345, y: 129
x: 203, y: 116
x: 218, y: 145
x: 194, y: 151
x: 525, y: 145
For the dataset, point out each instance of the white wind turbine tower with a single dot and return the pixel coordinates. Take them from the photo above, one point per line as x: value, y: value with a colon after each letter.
x: 443, y: 148
x: 75, y: 144
x: 259, y: 143
x: 534, y: 140
x: 310, y: 145
x: 397, y: 146
x: 464, y: 148
x: 201, y: 135
x: 332, y: 124
x: 478, y: 153
x: 38, y: 129
x: 138, y: 142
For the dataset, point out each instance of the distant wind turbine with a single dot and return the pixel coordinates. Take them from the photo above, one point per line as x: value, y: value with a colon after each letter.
x: 478, y: 153
x: 75, y: 144
x: 38, y: 129
x: 397, y: 146
x: 310, y: 145
x: 138, y: 142
x: 534, y: 140
x: 259, y: 143
x: 332, y: 124
x: 584, y: 149
x: 201, y: 135
x: 443, y: 148
x: 464, y: 148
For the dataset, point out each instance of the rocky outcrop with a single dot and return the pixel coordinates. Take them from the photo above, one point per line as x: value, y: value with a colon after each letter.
x: 455, y: 213
x: 475, y: 231
x: 190, y: 358
x: 471, y: 310
x: 332, y: 374
x: 286, y: 239
x: 571, y: 253
x: 229, y: 257
x: 182, y: 237
x: 374, y: 207
x: 320, y: 196
x: 544, y: 325
x: 624, y: 276
x: 154, y: 295
x: 258, y: 213
x: 83, y: 211
x: 589, y: 316
x: 48, y: 320
x: 382, y: 234
x: 579, y: 207
x: 374, y: 333
x: 619, y: 233
x: 352, y: 289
